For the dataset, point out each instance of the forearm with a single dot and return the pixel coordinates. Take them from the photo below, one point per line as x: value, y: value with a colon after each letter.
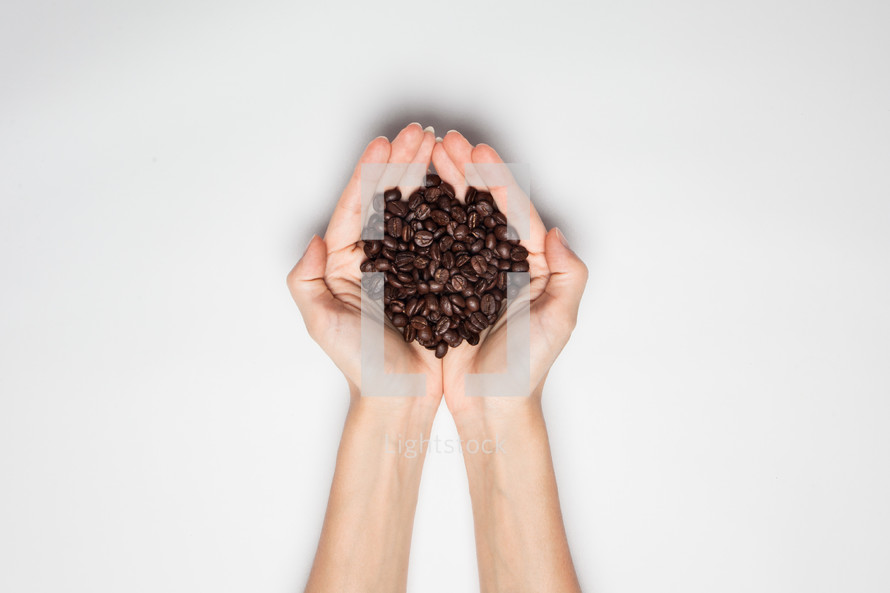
x: 366, y: 535
x: 520, y: 538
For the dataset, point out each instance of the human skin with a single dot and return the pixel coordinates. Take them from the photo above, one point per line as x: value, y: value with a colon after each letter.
x: 520, y: 538
x: 366, y: 535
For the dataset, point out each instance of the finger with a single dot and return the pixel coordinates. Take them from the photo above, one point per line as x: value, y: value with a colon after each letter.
x: 344, y: 227
x: 420, y: 164
x: 568, y: 277
x: 308, y: 288
x: 460, y: 152
x: 501, y: 183
x: 448, y: 171
x: 404, y: 147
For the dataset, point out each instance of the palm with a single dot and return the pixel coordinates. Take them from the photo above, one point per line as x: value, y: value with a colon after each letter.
x: 451, y: 158
x: 327, y: 282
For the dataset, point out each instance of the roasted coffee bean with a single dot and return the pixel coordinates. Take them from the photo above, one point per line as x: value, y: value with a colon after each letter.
x: 458, y: 283
x: 372, y: 248
x: 519, y: 266
x: 489, y: 305
x: 440, y: 217
x: 478, y: 263
x: 518, y: 253
x: 443, y: 325
x: 397, y: 208
x: 414, y: 200
x: 484, y: 208
x: 423, y: 238
x: 443, y: 263
x: 422, y: 212
x: 394, y: 226
x: 477, y: 321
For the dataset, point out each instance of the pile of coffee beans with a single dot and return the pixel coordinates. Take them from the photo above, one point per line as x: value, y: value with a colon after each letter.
x: 444, y: 263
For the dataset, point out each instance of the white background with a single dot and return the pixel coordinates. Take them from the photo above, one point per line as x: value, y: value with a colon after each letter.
x: 719, y: 419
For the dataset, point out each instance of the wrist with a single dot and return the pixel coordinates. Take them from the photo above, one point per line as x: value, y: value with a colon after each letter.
x: 502, y: 415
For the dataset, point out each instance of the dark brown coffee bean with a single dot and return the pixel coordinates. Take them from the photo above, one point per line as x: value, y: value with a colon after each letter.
x: 425, y: 333
x: 443, y: 325
x: 478, y: 320
x: 368, y: 266
x: 441, y: 350
x: 452, y: 338
x: 432, y: 179
x: 400, y: 320
x: 390, y: 242
x: 423, y: 238
x: 484, y: 208
x: 473, y: 220
x: 472, y: 303
x: 460, y: 233
x: 392, y: 195
x: 440, y: 217
x: 418, y: 322
x: 519, y: 266
x: 518, y: 253
x: 442, y: 275
x: 488, y: 305
x: 445, y: 306
x: 397, y: 208
x: 410, y: 334
x: 414, y: 200
x: 458, y: 283
x: 422, y: 212
x: 478, y: 263
x: 500, y: 232
x: 394, y: 226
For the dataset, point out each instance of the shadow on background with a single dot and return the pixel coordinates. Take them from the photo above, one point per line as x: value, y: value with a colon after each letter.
x: 474, y: 130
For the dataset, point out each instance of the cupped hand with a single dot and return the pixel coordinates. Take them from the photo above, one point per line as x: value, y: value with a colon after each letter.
x: 326, y: 282
x: 556, y: 283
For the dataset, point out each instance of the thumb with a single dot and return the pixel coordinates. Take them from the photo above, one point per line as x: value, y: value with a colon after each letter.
x: 568, y: 275
x: 308, y: 288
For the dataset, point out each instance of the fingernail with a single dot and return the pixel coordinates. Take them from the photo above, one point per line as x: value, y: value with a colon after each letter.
x: 449, y: 131
x: 438, y: 139
x: 414, y: 123
x: 429, y: 129
x: 561, y: 237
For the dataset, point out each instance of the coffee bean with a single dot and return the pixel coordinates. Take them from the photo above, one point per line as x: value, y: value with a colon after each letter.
x: 397, y: 208
x: 488, y: 305
x: 443, y: 263
x: 423, y: 238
